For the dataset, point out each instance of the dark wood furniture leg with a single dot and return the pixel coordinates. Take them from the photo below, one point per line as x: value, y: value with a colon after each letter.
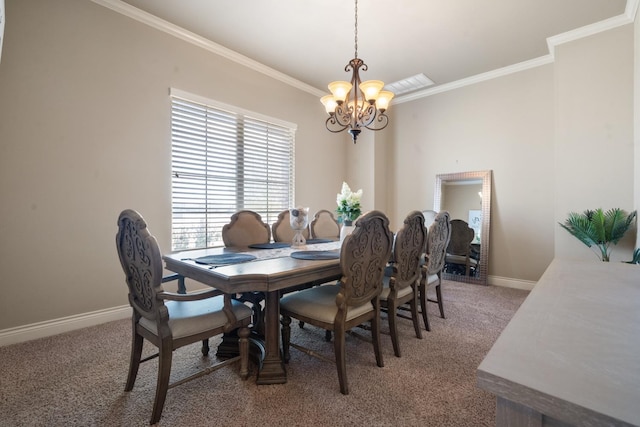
x: 272, y: 371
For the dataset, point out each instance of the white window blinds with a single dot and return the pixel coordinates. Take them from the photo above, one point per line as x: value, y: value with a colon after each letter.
x: 224, y: 159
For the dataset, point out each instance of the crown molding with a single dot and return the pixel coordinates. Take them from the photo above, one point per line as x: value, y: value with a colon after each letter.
x: 489, y: 75
x: 176, y: 31
x: 126, y: 9
x: 628, y: 17
x: 589, y: 30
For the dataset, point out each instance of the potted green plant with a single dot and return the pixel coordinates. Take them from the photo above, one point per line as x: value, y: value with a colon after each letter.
x: 599, y: 228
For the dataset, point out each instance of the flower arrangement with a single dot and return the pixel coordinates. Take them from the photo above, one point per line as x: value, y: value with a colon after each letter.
x: 348, y: 204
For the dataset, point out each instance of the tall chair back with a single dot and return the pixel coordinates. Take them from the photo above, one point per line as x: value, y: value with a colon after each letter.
x: 141, y: 261
x: 363, y: 258
x: 325, y: 226
x: 459, y: 248
x: 245, y: 228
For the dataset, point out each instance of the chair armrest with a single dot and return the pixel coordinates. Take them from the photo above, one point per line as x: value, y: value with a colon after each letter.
x: 192, y: 296
x: 182, y: 289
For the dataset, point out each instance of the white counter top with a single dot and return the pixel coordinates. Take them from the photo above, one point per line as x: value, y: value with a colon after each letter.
x: 572, y: 350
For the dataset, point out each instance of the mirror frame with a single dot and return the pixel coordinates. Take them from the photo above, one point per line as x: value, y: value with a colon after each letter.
x: 486, y: 177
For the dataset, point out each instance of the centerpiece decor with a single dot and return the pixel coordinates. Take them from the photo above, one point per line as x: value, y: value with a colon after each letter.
x: 299, y: 220
x: 348, y: 208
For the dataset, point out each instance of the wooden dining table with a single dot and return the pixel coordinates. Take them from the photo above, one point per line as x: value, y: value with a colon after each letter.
x: 273, y: 271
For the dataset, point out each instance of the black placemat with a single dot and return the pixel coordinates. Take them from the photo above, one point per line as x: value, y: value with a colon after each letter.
x: 315, y: 255
x: 223, y: 259
x: 312, y: 241
x: 273, y: 245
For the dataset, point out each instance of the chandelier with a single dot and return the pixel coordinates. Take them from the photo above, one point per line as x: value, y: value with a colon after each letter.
x: 355, y: 105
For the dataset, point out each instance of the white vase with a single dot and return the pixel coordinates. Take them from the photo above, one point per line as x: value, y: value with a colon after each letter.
x: 346, y: 229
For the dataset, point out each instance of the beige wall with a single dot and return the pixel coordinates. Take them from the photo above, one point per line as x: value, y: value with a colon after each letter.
x: 558, y: 138
x: 594, y: 150
x: 505, y: 125
x: 84, y: 133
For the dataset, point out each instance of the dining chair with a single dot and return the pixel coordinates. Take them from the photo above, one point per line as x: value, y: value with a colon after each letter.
x: 281, y: 229
x: 459, y: 251
x: 353, y: 300
x: 170, y: 320
x: 325, y: 226
x: 437, y: 241
x: 401, y: 287
x: 245, y: 228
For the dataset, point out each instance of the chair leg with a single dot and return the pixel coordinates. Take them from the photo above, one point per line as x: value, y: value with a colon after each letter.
x: 134, y: 363
x: 423, y: 306
x: 205, y: 348
x: 286, y: 337
x: 375, y: 334
x: 327, y: 336
x: 164, y: 371
x: 341, y: 363
x: 243, y: 344
x: 414, y: 317
x: 393, y: 327
x: 439, y: 295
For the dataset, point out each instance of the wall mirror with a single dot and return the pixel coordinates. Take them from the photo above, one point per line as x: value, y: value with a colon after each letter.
x: 467, y: 196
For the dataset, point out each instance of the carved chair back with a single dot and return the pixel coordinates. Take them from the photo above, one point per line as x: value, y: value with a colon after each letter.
x: 363, y: 257
x: 410, y: 244
x: 437, y: 242
x: 141, y: 262
x: 461, y: 237
x: 245, y: 228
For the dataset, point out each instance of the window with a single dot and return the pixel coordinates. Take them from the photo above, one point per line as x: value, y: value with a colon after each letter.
x: 224, y: 159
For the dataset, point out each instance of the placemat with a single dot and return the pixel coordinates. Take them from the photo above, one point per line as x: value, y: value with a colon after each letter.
x: 315, y: 255
x: 223, y: 259
x: 313, y: 241
x: 273, y: 245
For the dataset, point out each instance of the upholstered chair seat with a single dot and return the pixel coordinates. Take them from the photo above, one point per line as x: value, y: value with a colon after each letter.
x: 319, y: 303
x: 188, y: 318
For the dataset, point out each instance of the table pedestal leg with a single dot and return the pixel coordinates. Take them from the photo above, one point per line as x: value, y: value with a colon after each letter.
x: 272, y: 371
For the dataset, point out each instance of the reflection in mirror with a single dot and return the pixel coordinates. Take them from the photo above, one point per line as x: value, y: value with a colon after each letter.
x: 467, y: 197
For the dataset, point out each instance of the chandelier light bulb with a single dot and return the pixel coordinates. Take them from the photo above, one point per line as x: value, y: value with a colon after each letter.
x: 340, y: 90
x: 329, y: 103
x: 371, y: 89
x: 384, y: 98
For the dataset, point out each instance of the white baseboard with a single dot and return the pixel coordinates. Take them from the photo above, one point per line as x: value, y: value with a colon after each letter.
x: 511, y: 283
x: 65, y: 324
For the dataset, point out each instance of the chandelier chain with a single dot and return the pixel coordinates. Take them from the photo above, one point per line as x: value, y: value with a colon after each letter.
x: 356, y: 31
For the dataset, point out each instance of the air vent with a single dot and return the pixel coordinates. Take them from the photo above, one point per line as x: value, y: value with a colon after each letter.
x: 410, y: 84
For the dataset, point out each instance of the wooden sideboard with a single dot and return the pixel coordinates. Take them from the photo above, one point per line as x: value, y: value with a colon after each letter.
x: 571, y: 354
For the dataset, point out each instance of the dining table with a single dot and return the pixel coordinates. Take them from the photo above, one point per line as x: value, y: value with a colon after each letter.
x: 272, y: 269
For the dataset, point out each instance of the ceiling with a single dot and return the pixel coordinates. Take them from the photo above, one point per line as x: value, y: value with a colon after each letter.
x: 447, y: 40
